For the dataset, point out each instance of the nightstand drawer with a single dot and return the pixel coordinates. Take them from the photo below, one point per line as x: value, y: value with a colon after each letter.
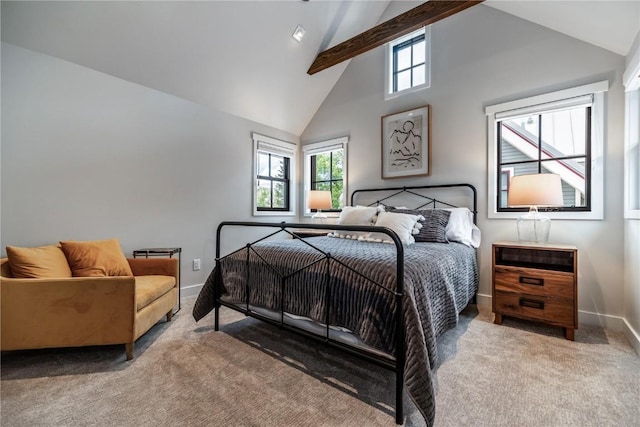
x: 534, y: 282
x: 550, y: 310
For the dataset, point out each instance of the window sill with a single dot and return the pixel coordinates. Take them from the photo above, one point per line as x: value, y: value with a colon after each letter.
x: 389, y: 96
x: 632, y: 214
x: 594, y: 215
x: 269, y: 213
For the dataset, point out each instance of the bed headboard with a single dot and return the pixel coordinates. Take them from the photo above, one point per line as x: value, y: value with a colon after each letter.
x: 421, y: 197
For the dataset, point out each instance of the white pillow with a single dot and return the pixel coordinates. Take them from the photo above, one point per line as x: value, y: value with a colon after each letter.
x: 461, y: 228
x: 356, y: 215
x: 402, y: 224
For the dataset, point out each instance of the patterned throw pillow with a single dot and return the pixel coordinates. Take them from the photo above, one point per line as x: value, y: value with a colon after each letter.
x: 434, y: 224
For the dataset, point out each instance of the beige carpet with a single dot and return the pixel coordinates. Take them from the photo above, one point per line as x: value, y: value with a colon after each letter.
x: 252, y: 374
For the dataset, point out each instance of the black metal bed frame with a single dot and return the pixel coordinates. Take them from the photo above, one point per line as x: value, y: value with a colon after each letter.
x: 389, y: 362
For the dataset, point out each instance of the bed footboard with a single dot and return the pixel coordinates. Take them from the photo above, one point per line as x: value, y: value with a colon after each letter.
x: 393, y: 362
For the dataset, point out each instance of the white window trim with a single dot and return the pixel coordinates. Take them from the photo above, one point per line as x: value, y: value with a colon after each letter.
x: 597, y: 148
x: 280, y: 147
x: 631, y: 80
x: 388, y: 90
x: 319, y: 147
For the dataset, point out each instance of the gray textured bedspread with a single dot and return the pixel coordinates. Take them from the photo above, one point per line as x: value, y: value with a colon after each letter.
x: 439, y: 281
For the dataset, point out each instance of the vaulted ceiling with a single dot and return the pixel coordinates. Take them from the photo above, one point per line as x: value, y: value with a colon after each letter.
x: 239, y: 56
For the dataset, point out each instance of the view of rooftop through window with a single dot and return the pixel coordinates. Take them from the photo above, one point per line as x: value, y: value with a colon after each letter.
x: 550, y: 142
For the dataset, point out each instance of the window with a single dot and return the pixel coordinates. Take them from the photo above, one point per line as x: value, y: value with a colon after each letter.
x: 632, y: 138
x: 559, y: 132
x: 274, y: 165
x: 408, y: 63
x: 325, y: 168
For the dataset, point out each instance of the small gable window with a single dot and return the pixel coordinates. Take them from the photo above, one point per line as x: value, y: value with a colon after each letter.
x: 408, y: 63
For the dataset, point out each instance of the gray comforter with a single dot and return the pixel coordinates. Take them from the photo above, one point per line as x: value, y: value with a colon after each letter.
x: 439, y: 281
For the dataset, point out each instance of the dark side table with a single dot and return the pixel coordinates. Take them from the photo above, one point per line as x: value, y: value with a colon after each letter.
x: 170, y: 252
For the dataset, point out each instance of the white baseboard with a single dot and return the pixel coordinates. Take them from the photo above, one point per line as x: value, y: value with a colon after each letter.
x: 632, y: 335
x: 192, y: 290
x: 484, y: 301
x: 614, y: 323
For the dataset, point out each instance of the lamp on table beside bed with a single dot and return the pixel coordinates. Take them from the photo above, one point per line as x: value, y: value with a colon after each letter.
x: 539, y: 189
x: 318, y: 200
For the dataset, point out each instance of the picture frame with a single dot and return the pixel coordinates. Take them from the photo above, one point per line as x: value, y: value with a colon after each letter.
x: 406, y: 143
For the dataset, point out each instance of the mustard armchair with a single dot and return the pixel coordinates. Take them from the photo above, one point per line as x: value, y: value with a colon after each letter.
x: 86, y: 311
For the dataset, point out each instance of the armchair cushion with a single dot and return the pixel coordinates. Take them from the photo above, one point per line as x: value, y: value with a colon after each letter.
x: 96, y: 258
x: 150, y: 288
x: 44, y: 262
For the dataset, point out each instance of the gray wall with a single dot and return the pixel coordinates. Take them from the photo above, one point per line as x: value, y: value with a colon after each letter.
x: 481, y: 57
x: 89, y: 156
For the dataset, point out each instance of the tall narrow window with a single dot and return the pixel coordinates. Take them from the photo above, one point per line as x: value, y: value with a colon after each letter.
x: 325, y: 168
x: 559, y: 132
x: 408, y: 63
x: 631, y: 80
x: 632, y: 155
x: 273, y: 182
x: 274, y: 162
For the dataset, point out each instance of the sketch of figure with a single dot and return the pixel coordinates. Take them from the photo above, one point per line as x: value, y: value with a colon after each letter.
x: 405, y: 144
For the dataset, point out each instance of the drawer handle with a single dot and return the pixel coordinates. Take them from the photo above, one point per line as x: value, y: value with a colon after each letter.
x: 532, y: 281
x: 532, y: 303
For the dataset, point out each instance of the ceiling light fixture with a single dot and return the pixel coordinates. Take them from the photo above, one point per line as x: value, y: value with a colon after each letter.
x: 298, y: 33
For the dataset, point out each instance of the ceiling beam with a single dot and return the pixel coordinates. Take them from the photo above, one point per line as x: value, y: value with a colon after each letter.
x: 418, y: 17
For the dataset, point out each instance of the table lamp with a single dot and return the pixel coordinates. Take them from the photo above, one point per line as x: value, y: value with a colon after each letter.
x: 540, y: 189
x: 318, y: 200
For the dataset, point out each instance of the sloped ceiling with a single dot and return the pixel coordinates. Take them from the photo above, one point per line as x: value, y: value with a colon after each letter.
x: 610, y: 24
x: 239, y: 56
x: 234, y: 56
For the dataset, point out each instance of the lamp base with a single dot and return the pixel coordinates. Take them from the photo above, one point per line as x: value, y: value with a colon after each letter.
x: 319, y: 217
x: 533, y: 227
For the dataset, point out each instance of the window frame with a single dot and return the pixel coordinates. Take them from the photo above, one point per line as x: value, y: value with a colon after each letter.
x: 310, y: 150
x: 596, y: 167
x: 288, y: 150
x: 540, y: 160
x: 631, y: 79
x: 390, y: 70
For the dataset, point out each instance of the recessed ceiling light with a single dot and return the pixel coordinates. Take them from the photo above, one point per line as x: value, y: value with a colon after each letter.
x: 298, y: 34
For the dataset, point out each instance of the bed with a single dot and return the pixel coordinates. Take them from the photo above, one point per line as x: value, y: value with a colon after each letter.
x: 364, y: 289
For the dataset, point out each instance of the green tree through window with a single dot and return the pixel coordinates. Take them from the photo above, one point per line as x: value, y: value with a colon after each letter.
x: 273, y: 182
x: 327, y: 172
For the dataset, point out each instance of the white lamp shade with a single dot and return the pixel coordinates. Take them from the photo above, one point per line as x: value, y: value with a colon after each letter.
x: 540, y: 189
x: 319, y: 199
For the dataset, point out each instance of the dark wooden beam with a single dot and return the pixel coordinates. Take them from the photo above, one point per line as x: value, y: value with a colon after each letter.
x: 418, y: 17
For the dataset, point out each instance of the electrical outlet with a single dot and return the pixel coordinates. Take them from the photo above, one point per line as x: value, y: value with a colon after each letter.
x: 196, y: 264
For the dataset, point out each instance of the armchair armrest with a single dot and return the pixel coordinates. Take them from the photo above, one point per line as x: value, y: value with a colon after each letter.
x: 154, y: 266
x: 69, y: 312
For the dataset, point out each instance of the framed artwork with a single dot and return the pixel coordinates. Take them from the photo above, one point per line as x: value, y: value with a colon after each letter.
x: 406, y: 143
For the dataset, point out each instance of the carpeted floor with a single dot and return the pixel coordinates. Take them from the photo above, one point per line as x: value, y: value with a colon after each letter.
x: 252, y: 374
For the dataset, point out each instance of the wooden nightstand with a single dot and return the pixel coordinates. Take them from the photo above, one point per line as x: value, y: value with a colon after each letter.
x: 536, y: 282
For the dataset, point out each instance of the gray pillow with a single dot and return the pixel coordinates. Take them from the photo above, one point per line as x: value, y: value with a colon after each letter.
x: 434, y: 225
